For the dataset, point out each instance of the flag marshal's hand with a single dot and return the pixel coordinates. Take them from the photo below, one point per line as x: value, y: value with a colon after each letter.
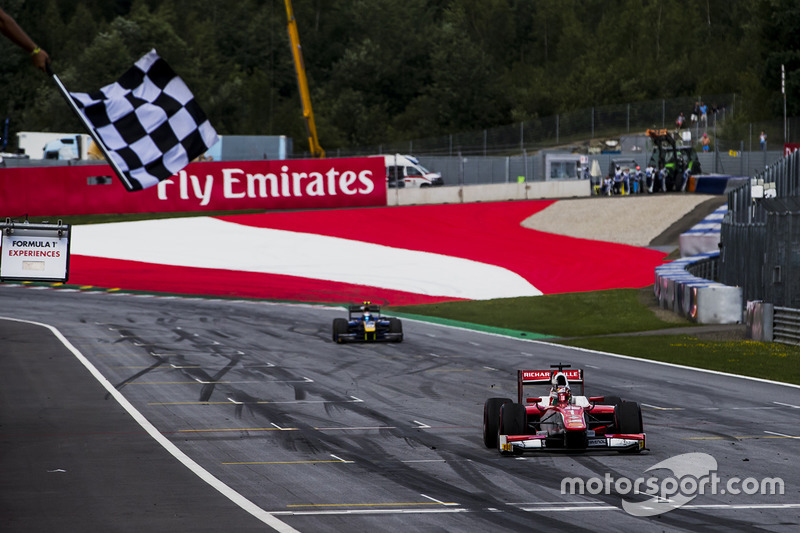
x: 40, y: 59
x: 10, y: 28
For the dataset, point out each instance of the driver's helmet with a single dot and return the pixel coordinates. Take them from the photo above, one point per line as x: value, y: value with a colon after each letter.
x: 563, y: 394
x: 367, y: 314
x: 559, y: 379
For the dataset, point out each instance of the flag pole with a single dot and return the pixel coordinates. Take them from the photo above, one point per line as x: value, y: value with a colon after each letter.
x: 96, y: 138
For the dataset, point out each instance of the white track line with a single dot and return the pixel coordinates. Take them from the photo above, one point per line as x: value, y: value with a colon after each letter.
x: 202, y: 473
x: 608, y: 354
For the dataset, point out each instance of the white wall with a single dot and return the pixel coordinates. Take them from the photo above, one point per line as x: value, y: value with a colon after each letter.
x: 33, y: 142
x: 490, y: 193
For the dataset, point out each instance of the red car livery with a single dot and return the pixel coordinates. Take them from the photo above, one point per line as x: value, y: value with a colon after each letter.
x: 561, y: 419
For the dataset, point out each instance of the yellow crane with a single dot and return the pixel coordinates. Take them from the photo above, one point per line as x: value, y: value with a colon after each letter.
x: 302, y: 83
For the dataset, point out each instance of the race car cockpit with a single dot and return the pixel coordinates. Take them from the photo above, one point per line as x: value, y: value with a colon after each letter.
x: 560, y: 393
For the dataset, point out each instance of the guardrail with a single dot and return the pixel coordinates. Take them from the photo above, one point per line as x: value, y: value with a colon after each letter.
x: 771, y: 323
x: 786, y: 325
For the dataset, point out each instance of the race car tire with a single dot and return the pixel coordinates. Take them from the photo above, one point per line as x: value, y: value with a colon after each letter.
x: 629, y: 417
x: 396, y: 327
x: 491, y: 420
x: 612, y: 400
x: 339, y: 328
x: 512, y: 421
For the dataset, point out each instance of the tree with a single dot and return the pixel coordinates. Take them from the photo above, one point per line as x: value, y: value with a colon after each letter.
x: 464, y: 79
x: 392, y: 70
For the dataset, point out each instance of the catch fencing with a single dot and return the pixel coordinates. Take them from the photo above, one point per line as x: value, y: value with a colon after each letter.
x: 760, y: 237
x: 520, y: 151
x: 589, y: 130
x: 596, y: 123
x: 485, y: 170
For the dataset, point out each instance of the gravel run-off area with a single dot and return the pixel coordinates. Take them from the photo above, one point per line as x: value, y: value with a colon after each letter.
x: 634, y: 220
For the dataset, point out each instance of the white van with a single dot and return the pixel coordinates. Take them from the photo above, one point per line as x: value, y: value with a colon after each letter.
x: 65, y: 148
x: 405, y: 171
x: 49, y: 145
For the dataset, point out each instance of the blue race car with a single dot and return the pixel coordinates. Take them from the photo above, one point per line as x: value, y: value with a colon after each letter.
x: 365, y: 324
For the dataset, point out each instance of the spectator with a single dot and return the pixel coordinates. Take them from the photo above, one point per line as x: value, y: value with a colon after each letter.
x: 617, y: 180
x: 704, y: 113
x: 695, y: 113
x: 705, y: 142
x: 650, y: 177
x: 607, y: 186
x: 10, y: 28
x: 679, y: 122
x: 686, y: 175
x: 638, y: 180
x: 662, y: 179
x: 626, y: 181
x: 763, y: 141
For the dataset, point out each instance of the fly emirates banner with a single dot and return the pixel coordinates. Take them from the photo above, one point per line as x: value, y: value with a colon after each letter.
x: 208, y: 186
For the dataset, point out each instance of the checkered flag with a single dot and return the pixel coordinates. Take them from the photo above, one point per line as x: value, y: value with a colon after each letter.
x: 148, y: 123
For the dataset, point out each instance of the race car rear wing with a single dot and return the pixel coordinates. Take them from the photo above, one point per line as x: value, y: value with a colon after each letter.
x: 372, y: 308
x: 544, y: 377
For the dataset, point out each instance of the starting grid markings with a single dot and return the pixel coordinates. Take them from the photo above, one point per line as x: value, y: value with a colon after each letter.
x: 436, y: 506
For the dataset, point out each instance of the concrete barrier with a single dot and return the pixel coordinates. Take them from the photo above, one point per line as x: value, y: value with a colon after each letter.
x: 719, y: 304
x: 759, y: 317
x: 498, y: 192
x: 705, y: 236
x: 698, y: 299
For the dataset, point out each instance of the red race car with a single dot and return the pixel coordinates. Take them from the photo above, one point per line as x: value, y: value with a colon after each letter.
x: 561, y: 419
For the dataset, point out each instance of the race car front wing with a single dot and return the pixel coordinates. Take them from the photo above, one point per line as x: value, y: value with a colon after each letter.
x: 372, y: 336
x: 525, y: 443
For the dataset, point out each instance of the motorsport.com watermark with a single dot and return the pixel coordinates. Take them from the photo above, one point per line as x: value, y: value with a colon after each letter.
x: 693, y: 474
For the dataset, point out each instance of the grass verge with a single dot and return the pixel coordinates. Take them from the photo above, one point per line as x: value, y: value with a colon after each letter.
x: 613, y: 321
x: 766, y: 360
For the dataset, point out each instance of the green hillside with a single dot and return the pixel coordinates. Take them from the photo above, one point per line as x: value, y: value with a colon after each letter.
x: 390, y: 70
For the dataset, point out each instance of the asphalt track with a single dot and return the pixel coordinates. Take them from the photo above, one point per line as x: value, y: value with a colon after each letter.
x: 245, y: 416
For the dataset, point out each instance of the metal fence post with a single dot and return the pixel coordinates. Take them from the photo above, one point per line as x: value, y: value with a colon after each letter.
x: 741, y: 158
x: 460, y: 169
x: 525, y: 161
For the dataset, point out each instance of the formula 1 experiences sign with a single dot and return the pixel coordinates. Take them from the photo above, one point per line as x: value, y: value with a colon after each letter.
x: 34, y: 252
x: 207, y: 186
